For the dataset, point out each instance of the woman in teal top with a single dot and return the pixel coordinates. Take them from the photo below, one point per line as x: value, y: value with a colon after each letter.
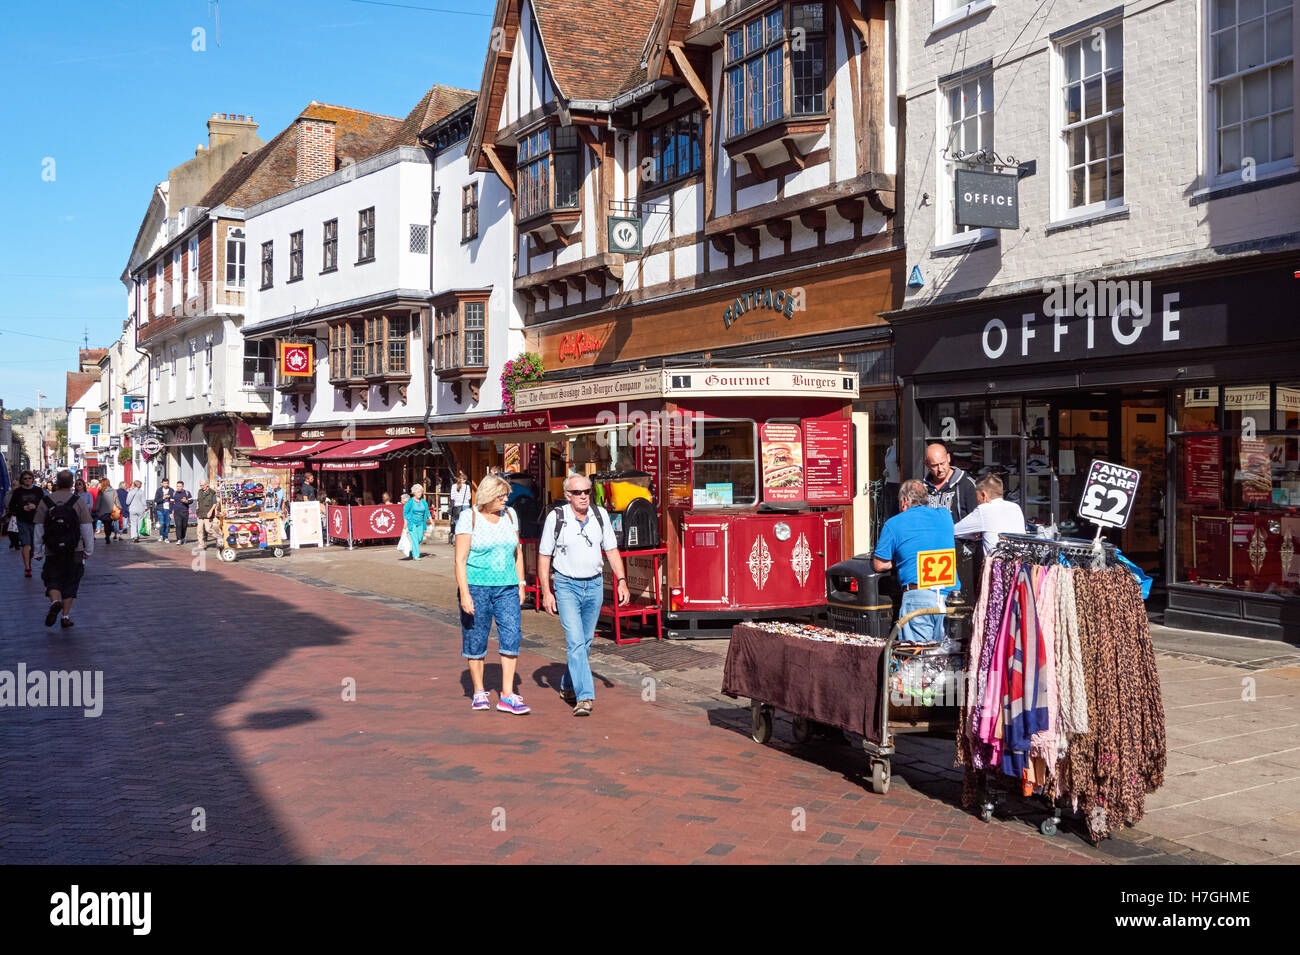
x: 416, y: 514
x: 490, y: 577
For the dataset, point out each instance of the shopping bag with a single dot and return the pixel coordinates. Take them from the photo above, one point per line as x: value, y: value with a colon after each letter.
x: 13, y: 526
x: 404, y: 545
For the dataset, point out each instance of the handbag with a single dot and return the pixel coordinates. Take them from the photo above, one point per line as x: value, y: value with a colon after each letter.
x: 115, y: 515
x: 404, y: 545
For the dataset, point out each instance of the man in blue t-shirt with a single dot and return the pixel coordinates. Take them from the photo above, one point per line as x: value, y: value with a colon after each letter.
x: 919, y: 529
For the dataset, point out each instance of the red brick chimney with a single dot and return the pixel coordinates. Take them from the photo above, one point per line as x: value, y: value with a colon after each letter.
x: 315, y: 149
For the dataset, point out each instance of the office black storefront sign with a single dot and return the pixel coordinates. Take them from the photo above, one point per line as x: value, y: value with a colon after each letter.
x: 1063, y: 323
x: 987, y: 200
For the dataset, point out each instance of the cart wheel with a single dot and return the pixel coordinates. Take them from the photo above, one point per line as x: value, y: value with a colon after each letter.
x: 761, y: 721
x: 801, y: 729
x: 278, y: 552
x: 1047, y: 827
x: 986, y: 814
x: 880, y: 777
x: 228, y: 555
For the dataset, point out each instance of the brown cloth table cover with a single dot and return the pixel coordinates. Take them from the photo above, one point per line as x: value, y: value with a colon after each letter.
x: 833, y: 683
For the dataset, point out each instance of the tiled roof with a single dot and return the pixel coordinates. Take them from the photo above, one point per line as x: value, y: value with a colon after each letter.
x: 270, y: 170
x: 79, y: 382
x: 439, y: 102
x: 604, y: 59
x: 92, y: 354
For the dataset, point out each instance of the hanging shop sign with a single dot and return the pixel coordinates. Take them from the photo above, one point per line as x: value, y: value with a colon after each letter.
x: 987, y: 200
x: 535, y: 423
x: 151, y: 446
x: 297, y: 359
x: 94, y: 429
x: 625, y: 234
x: 133, y: 403
x: 1109, y: 493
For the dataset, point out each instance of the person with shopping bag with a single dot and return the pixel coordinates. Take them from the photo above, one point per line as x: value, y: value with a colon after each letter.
x: 416, y: 514
x: 136, y: 505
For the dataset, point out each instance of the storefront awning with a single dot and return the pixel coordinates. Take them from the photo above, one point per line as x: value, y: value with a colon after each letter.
x: 290, y: 454
x: 363, y: 455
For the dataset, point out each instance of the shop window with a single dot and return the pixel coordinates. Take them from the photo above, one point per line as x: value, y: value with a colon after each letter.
x: 1238, y: 488
x: 726, y: 469
x: 758, y: 53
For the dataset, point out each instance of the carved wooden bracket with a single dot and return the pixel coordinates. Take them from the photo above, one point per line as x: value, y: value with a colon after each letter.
x: 850, y: 209
x: 748, y: 236
x: 814, y: 219
x: 779, y: 228
x: 723, y: 243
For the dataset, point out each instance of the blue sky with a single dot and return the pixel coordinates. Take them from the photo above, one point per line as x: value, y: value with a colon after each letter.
x: 115, y: 95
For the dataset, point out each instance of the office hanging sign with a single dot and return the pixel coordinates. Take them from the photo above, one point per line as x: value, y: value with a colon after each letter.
x: 987, y: 200
x: 1109, y: 493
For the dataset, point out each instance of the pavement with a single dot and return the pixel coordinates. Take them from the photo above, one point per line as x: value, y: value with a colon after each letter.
x: 315, y: 709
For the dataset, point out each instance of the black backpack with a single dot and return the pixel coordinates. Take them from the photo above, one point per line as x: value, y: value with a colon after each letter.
x: 558, y: 510
x: 62, y: 525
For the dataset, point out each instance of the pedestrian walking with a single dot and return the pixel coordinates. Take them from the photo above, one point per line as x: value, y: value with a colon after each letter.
x: 181, y: 502
x: 10, y: 522
x: 460, y: 499
x: 135, y: 508
x: 162, y: 506
x: 121, y: 508
x: 23, y: 502
x: 205, y: 513
x: 490, y: 578
x: 101, y: 511
x: 83, y: 493
x: 578, y: 537
x: 416, y: 514
x: 64, y: 538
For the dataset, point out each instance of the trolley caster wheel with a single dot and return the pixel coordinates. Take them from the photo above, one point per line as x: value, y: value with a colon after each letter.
x: 986, y: 814
x: 228, y: 555
x: 801, y: 729
x: 278, y: 552
x: 880, y: 778
x: 1047, y: 827
x: 760, y: 721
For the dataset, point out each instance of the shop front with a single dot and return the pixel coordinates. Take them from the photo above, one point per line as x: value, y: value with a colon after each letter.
x: 360, y: 463
x: 740, y: 479
x: 1188, y: 376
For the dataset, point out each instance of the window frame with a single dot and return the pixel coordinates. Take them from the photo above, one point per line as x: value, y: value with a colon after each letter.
x: 192, y: 272
x: 652, y: 137
x: 177, y: 286
x: 363, y: 347
x: 1212, y: 176
x: 295, y: 256
x: 947, y: 232
x: 260, y: 344
x: 268, y: 264
x: 744, y: 57
x: 365, y: 236
x: 236, y: 242
x: 538, y: 197
x: 190, y: 376
x: 703, y: 424
x: 1062, y: 165
x: 329, y: 256
x: 469, y: 198
x: 452, y: 333
x: 207, y: 366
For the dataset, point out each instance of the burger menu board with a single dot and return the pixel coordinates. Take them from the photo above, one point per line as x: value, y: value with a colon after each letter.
x: 828, y: 448
x: 782, y: 450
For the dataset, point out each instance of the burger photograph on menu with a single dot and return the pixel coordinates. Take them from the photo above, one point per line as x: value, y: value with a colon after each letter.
x: 782, y: 451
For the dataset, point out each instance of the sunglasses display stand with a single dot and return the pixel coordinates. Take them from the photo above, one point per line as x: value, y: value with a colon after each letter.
x: 249, y: 519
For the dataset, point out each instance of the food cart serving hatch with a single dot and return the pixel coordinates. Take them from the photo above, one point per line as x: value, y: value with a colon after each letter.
x: 731, y: 489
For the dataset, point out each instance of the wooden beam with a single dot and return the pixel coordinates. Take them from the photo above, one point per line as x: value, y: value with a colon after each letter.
x: 490, y: 151
x: 849, y: 8
x: 796, y: 157
x: 814, y: 219
x: 748, y: 236
x: 850, y: 209
x: 723, y: 243
x: 779, y: 228
x: 678, y: 53
x: 755, y: 167
x: 587, y: 136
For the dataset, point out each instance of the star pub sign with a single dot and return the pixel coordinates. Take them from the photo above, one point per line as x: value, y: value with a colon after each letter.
x: 297, y: 359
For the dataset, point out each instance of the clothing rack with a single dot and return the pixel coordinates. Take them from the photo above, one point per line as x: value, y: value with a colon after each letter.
x: 1044, y: 550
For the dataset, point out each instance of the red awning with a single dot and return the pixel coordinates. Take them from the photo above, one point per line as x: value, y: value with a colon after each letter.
x: 290, y: 454
x: 362, y: 455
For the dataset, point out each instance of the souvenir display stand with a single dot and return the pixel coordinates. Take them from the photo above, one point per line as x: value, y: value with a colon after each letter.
x: 248, y: 522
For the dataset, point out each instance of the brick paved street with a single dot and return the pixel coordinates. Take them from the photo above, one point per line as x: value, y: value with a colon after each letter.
x: 223, y: 690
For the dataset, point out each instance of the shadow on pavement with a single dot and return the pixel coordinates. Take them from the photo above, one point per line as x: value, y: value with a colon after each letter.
x: 174, y: 648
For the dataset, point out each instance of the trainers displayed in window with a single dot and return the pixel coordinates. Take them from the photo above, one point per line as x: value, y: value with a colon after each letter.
x: 482, y: 701
x: 512, y: 703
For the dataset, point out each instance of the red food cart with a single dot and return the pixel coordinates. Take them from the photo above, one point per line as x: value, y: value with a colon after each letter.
x: 751, y: 472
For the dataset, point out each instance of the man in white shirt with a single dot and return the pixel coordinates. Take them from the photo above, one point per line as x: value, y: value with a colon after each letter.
x: 992, y: 516
x: 576, y: 534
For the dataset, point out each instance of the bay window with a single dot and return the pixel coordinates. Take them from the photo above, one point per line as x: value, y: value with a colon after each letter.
x: 773, y: 72
x: 547, y: 176
x: 460, y: 335
x: 375, y: 346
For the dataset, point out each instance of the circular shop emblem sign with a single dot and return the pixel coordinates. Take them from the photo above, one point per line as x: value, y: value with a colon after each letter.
x: 151, y: 446
x: 338, y: 522
x: 296, y: 358
x: 382, y: 521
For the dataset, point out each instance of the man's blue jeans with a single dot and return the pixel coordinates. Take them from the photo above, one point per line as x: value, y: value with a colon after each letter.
x: 925, y: 628
x: 578, y: 602
x: 164, y: 523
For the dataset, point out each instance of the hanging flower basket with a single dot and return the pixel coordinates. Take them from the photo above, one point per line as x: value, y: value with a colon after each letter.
x: 525, y: 368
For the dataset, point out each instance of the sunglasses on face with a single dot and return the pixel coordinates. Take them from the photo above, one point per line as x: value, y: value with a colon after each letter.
x: 581, y: 492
